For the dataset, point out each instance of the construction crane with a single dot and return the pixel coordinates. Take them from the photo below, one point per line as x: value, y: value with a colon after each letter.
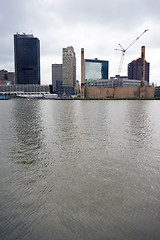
x: 123, y: 52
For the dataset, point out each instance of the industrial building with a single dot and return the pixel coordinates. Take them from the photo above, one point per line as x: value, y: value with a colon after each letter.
x: 134, y: 70
x: 114, y: 82
x: 117, y: 88
x: 27, y: 59
x: 134, y: 92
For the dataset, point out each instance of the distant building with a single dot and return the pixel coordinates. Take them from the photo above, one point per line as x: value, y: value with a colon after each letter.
x: 157, y: 92
x: 77, y: 87
x: 3, y: 75
x: 21, y: 89
x: 96, y: 69
x: 7, y: 77
x: 64, y: 75
x: 11, y: 77
x: 69, y: 70
x: 27, y: 59
x: 113, y: 82
x: 134, y: 70
x: 57, y: 84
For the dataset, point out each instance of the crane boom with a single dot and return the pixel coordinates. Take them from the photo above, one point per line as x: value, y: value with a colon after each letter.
x: 136, y: 39
x: 124, y: 50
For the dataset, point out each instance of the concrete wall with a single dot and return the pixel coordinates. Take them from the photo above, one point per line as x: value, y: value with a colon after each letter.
x: 150, y: 91
x: 120, y: 92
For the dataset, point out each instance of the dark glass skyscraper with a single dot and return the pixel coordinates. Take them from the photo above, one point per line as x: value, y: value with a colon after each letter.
x: 134, y: 70
x: 27, y: 59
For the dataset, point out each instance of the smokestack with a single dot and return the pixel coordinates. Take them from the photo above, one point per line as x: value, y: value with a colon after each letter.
x: 142, y: 65
x: 82, y: 72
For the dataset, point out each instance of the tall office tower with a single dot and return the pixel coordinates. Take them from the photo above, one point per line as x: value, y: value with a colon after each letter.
x: 57, y: 85
x: 134, y: 70
x: 27, y: 59
x: 96, y: 69
x: 69, y: 70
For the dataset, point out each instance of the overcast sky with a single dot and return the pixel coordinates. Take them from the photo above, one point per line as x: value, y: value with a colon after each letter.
x: 97, y: 26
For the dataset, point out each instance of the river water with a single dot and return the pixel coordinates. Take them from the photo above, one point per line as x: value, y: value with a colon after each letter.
x: 79, y: 170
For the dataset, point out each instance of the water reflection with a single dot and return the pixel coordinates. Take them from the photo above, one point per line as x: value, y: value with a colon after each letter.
x: 139, y: 123
x: 89, y: 170
x: 27, y: 131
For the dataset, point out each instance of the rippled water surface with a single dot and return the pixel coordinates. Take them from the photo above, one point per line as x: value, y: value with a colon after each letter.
x: 81, y: 170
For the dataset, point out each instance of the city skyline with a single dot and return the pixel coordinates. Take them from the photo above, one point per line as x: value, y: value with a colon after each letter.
x: 91, y: 25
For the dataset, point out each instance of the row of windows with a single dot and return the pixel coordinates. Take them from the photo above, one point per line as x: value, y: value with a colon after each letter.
x: 67, y: 54
x: 115, y: 83
x: 19, y: 87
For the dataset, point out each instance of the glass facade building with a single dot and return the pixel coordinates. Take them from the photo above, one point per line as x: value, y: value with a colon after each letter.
x: 96, y: 69
x: 134, y: 70
x: 27, y: 59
